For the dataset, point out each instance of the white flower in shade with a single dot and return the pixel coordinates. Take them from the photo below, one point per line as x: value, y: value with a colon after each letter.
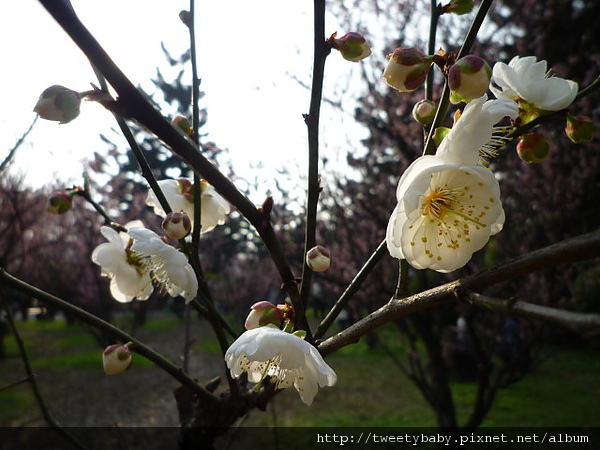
x: 179, y: 194
x: 129, y: 276
x: 288, y: 359
x: 448, y: 204
x: 169, y: 266
x: 528, y: 79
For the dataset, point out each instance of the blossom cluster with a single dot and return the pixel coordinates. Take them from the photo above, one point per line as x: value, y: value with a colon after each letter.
x: 264, y: 350
x: 449, y: 203
x: 133, y: 260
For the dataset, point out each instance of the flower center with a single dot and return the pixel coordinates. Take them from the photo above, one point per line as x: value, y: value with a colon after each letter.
x: 438, y: 203
x: 443, y: 201
x: 136, y: 260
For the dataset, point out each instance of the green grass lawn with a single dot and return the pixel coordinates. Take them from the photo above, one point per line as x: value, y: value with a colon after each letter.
x: 564, y: 390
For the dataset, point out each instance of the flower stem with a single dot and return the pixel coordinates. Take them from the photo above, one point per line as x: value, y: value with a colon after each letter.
x: 442, y: 110
x: 321, y: 50
x: 352, y: 288
x: 435, y: 12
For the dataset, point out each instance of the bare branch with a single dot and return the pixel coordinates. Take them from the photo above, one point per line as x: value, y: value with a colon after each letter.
x: 13, y: 151
x: 111, y: 330
x: 580, y: 248
x: 585, y: 324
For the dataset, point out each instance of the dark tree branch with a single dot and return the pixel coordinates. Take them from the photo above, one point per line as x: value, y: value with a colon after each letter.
x: 111, y: 330
x: 584, y: 324
x: 580, y: 248
x: 132, y: 103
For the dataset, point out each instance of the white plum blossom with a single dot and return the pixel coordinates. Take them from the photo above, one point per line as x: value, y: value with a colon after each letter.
x: 288, y: 359
x: 129, y: 276
x: 449, y: 204
x: 169, y: 266
x: 179, y: 194
x: 525, y: 78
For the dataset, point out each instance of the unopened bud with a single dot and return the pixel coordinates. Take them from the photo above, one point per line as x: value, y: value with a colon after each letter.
x: 469, y: 78
x: 116, y: 359
x: 352, y: 46
x: 439, y: 134
x: 59, y: 203
x: 177, y: 225
x: 424, y: 112
x: 460, y: 7
x: 263, y: 313
x: 580, y: 129
x: 186, y: 186
x: 182, y: 124
x: 59, y: 104
x: 185, y: 17
x: 406, y: 69
x: 318, y: 258
x: 533, y: 148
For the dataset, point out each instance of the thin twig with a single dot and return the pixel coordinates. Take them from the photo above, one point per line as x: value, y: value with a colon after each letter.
x: 442, y: 110
x: 13, y: 151
x: 14, y: 384
x: 50, y: 420
x: 585, y: 324
x: 114, y: 332
x: 352, y: 288
x: 321, y: 50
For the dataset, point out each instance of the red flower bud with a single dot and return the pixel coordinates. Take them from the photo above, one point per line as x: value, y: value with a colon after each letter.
x: 533, y: 148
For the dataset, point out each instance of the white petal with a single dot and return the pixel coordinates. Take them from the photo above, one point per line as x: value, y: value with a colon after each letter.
x: 307, y: 387
x: 111, y: 235
x: 447, y: 242
x: 474, y: 129
x: 394, y: 230
x: 109, y: 256
x: 175, y: 198
x: 552, y: 94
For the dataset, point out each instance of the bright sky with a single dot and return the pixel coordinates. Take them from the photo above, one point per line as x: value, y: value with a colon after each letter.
x: 242, y: 52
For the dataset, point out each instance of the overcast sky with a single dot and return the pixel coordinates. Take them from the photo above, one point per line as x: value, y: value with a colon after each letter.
x: 247, y: 61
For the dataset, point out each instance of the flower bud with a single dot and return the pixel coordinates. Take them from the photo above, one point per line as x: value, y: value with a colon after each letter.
x: 318, y: 258
x: 58, y: 103
x: 460, y: 7
x: 352, y: 46
x: 424, y: 112
x: 182, y: 124
x: 177, y: 225
x: 406, y: 69
x: 580, y: 129
x: 59, y: 203
x: 185, y: 17
x: 469, y: 78
x: 186, y: 187
x: 116, y: 359
x: 439, y: 134
x: 533, y: 148
x: 263, y: 313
